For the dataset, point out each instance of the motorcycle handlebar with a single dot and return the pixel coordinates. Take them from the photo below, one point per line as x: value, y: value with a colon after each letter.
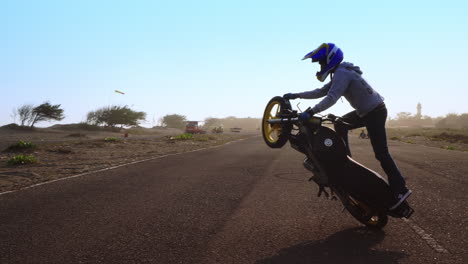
x: 332, y: 118
x: 283, y: 120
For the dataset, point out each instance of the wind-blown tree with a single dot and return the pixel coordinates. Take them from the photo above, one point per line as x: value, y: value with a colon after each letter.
x: 115, y: 115
x: 97, y: 117
x: 46, y: 112
x: 25, y: 113
x: 174, y: 121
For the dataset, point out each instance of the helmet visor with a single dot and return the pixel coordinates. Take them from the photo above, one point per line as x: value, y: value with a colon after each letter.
x: 318, y: 54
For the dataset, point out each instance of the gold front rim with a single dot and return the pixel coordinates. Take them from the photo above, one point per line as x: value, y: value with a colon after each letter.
x: 270, y: 131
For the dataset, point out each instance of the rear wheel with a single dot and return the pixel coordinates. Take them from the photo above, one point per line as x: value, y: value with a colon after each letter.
x: 275, y: 135
x: 365, y: 215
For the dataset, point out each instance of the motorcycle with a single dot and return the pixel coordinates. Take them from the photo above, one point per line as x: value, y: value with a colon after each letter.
x: 363, y: 192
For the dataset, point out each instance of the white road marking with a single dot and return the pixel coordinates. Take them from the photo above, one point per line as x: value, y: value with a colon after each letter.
x: 121, y: 165
x: 426, y: 237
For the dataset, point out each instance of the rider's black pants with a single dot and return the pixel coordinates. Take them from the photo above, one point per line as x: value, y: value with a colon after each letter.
x: 374, y: 121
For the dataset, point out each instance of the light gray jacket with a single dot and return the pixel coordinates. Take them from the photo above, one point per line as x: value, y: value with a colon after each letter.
x: 348, y: 82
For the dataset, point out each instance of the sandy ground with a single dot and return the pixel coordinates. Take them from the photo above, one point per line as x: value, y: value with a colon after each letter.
x: 419, y: 140
x: 60, y: 155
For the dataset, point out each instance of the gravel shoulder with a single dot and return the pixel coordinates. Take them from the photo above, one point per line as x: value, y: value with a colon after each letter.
x: 63, y: 153
x: 59, y: 155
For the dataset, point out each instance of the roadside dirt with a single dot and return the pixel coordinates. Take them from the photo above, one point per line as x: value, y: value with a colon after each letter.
x: 447, y: 143
x: 60, y: 155
x: 420, y: 140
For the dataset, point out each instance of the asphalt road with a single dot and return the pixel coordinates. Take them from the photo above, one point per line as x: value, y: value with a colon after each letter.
x: 238, y: 203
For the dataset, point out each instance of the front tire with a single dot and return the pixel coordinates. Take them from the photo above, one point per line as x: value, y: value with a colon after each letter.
x: 276, y: 135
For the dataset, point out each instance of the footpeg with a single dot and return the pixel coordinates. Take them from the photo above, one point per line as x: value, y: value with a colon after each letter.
x: 407, y: 212
x: 322, y: 190
x: 318, y: 177
x: 308, y: 165
x: 404, y: 210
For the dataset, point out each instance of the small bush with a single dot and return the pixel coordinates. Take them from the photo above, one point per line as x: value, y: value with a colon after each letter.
x: 449, y: 148
x: 21, y: 159
x: 409, y: 142
x: 184, y: 136
x: 112, y: 139
x: 21, y: 145
x: 395, y: 138
x: 205, y: 138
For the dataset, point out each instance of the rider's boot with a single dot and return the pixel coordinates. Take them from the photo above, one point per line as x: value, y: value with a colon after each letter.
x: 400, y: 198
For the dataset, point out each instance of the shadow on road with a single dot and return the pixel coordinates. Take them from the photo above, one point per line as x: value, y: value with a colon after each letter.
x: 347, y: 246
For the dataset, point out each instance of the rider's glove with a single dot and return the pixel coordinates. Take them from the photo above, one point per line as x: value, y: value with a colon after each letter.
x: 290, y: 96
x: 306, y: 115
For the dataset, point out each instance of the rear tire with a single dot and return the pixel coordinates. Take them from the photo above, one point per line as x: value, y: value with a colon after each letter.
x: 378, y: 221
x: 366, y: 216
x: 275, y: 136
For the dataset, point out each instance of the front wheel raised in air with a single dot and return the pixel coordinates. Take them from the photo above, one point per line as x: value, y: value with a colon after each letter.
x: 275, y: 135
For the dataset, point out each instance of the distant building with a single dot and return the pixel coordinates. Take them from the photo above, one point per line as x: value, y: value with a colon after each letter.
x: 418, y: 111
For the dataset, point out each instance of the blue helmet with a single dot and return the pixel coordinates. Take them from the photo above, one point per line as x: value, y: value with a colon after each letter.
x: 329, y: 56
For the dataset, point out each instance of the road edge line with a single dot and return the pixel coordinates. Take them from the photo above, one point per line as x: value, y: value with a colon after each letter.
x: 426, y: 237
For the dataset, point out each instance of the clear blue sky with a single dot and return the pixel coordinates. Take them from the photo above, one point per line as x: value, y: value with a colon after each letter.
x: 223, y: 58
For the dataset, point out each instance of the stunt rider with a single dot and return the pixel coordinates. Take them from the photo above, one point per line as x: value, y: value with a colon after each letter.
x: 370, y: 110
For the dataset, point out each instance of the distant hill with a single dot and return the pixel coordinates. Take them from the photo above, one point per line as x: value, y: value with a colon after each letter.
x: 16, y: 127
x: 78, y: 126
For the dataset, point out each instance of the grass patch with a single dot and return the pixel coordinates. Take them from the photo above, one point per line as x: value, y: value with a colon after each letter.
x: 184, y: 136
x: 204, y: 138
x: 21, y: 146
x: 112, y: 139
x: 395, y: 138
x: 21, y: 160
x: 449, y: 148
x: 409, y: 142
